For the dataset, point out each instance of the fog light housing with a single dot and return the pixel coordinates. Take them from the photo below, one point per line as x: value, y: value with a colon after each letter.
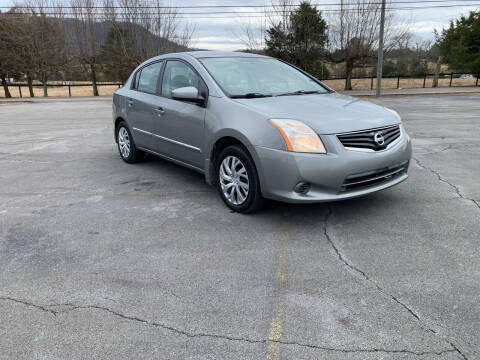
x: 302, y: 188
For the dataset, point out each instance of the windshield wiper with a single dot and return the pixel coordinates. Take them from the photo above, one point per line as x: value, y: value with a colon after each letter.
x: 250, y: 96
x: 301, y: 92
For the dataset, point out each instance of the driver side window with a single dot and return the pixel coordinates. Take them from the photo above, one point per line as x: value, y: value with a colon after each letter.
x: 176, y: 75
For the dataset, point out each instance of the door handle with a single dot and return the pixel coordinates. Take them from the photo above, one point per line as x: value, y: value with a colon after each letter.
x: 160, y: 111
x: 129, y: 102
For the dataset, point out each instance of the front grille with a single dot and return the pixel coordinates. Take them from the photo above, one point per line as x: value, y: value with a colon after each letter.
x: 355, y: 182
x: 371, y: 139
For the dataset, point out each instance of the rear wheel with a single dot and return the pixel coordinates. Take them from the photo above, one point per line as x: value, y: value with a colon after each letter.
x: 126, y: 147
x: 238, y: 182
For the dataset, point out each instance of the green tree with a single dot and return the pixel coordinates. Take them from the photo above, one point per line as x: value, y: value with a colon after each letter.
x: 460, y: 43
x: 300, y: 40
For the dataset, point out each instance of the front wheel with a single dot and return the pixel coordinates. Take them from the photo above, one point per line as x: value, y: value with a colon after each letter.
x: 238, y: 182
x: 126, y: 147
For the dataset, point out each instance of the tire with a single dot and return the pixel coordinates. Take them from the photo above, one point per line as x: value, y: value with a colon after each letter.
x: 126, y: 147
x: 237, y: 180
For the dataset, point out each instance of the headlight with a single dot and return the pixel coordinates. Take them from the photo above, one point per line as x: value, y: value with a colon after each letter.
x: 298, y: 137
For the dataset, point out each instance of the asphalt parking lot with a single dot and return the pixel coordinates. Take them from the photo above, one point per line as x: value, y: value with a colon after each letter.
x: 101, y: 259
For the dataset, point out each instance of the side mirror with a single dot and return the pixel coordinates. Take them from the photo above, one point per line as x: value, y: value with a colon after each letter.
x: 188, y: 93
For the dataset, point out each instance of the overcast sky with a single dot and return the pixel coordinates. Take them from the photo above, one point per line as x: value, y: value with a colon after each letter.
x: 225, y: 33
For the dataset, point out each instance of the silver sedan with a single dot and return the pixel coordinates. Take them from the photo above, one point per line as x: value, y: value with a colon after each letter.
x: 258, y: 128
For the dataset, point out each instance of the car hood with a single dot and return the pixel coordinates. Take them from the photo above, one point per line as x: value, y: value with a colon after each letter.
x: 330, y: 113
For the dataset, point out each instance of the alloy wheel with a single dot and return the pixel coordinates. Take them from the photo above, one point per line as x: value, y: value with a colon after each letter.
x: 234, y: 180
x: 124, y: 142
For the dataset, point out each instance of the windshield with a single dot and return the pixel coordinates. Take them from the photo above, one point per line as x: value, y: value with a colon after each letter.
x: 258, y: 77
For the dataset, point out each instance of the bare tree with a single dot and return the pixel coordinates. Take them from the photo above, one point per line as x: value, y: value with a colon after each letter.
x: 252, y: 36
x: 153, y: 28
x: 438, y: 66
x: 40, y: 35
x: 85, y: 44
x: 16, y: 30
x: 354, y: 34
x: 422, y: 50
x: 277, y: 16
x: 430, y: 53
x: 8, y: 55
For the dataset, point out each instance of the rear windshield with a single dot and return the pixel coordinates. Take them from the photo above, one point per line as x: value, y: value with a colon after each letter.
x: 239, y: 76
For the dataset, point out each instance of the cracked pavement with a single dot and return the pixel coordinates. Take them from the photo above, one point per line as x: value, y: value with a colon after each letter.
x: 101, y: 259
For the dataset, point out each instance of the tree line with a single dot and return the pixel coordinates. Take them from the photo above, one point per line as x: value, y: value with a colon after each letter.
x: 42, y: 41
x: 349, y: 39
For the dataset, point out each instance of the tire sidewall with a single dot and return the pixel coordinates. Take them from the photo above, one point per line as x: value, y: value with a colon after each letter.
x: 254, y: 193
x: 131, y: 155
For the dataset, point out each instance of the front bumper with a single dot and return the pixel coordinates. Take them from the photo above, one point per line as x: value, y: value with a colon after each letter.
x: 331, y: 175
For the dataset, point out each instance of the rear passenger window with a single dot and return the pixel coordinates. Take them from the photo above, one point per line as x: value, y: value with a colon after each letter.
x: 148, y: 78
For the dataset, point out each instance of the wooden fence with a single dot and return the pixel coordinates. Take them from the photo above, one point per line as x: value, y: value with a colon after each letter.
x: 61, y: 89
x: 451, y: 79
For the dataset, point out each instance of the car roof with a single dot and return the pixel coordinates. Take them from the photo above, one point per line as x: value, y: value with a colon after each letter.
x: 204, y: 54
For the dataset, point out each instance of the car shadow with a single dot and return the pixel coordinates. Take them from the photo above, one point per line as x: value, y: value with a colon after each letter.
x: 376, y: 204
x: 172, y: 169
x: 372, y: 204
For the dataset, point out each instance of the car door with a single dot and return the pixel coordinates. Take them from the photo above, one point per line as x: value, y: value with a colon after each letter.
x: 180, y: 127
x: 143, y: 103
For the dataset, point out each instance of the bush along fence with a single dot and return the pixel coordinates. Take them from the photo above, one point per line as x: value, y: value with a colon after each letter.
x: 454, y: 79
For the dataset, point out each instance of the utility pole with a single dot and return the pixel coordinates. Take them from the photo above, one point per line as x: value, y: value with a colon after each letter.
x: 380, y: 50
x: 341, y: 24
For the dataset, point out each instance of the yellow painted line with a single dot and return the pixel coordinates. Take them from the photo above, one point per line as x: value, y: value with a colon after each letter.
x: 276, y: 325
x: 275, y: 332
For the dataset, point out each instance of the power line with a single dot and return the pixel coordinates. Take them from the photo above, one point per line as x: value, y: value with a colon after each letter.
x: 226, y: 6
x: 244, y: 14
x: 136, y: 12
x: 380, y: 50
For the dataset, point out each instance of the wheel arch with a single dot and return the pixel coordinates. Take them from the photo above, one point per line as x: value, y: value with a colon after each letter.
x: 221, y: 142
x: 118, y: 120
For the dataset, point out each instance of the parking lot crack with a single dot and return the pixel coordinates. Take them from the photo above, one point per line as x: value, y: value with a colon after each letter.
x: 357, y: 270
x: 73, y: 307
x: 442, y: 179
x: 341, y: 257
x: 438, y: 151
x: 157, y: 324
x: 370, y: 350
x: 30, y: 304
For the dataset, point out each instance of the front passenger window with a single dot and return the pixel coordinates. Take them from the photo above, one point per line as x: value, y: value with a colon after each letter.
x: 177, y: 74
